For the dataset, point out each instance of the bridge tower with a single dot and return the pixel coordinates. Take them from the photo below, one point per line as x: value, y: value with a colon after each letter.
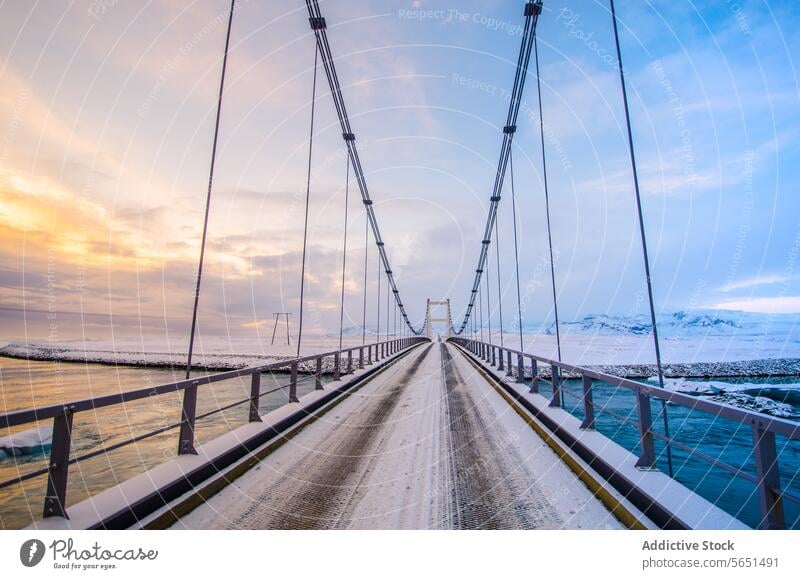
x: 428, y: 319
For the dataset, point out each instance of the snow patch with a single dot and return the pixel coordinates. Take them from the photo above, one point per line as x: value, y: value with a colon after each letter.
x: 31, y: 441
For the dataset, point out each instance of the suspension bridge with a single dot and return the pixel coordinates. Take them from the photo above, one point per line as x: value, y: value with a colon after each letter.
x: 437, y: 426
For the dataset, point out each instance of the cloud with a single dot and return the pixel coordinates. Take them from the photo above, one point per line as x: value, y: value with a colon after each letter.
x: 767, y: 279
x: 774, y: 305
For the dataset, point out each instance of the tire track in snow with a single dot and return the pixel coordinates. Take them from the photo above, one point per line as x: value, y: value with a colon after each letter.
x: 488, y: 489
x: 315, y: 492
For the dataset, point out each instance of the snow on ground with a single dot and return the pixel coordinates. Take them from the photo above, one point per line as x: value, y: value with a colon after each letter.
x: 400, y: 453
x: 216, y: 353
x: 766, y: 398
x: 696, y: 344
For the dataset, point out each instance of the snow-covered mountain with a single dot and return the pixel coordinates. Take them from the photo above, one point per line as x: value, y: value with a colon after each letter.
x: 687, y: 324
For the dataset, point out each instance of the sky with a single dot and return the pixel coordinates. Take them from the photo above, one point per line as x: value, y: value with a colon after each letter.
x: 106, y: 124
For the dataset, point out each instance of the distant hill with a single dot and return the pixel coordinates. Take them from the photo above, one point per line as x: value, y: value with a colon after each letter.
x: 685, y: 324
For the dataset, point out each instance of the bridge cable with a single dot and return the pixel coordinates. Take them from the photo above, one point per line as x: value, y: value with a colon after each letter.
x: 480, y: 308
x: 532, y: 12
x: 366, y: 268
x: 499, y: 285
x: 387, y: 306
x: 378, y: 330
x: 547, y: 198
x: 186, y: 436
x: 638, y: 196
x: 308, y: 196
x: 319, y: 26
x: 208, y: 194
x: 344, y: 249
x: 488, y: 302
x: 516, y: 246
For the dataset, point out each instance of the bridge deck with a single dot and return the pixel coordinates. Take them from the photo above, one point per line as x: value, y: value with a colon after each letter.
x: 426, y: 444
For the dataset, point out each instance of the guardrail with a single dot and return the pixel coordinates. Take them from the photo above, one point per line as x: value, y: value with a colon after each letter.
x: 345, y: 361
x: 763, y: 427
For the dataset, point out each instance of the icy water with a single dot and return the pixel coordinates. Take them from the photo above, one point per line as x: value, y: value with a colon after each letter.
x: 726, y: 441
x: 25, y: 384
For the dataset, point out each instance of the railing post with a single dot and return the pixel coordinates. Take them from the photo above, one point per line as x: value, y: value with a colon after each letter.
x: 188, y: 412
x: 493, y: 350
x: 369, y: 355
x: 293, y: 384
x: 534, y: 376
x: 255, y: 396
x: 361, y: 358
x: 520, y: 369
x: 55, y: 499
x: 509, y: 365
x: 500, y: 359
x: 555, y: 379
x: 337, y: 372
x: 588, y: 404
x: 349, y: 361
x: 768, y: 478
x: 647, y: 456
x: 318, y: 374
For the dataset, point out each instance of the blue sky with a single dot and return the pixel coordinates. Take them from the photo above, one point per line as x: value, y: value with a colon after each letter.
x: 107, y: 118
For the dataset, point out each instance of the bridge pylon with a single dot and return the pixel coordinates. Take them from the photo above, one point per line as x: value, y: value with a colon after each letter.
x: 429, y: 319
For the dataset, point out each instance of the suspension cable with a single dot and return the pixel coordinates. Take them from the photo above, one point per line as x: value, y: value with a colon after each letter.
x: 532, y: 12
x: 547, y: 199
x: 480, y: 308
x: 366, y: 268
x: 387, y: 307
x: 319, y: 26
x: 308, y: 196
x: 638, y: 196
x: 208, y: 195
x: 186, y: 436
x: 499, y: 285
x: 488, y: 302
x: 344, y: 248
x: 516, y: 246
x: 378, y: 330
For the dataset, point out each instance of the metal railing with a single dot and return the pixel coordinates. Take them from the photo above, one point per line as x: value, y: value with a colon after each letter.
x: 763, y: 427
x: 345, y: 361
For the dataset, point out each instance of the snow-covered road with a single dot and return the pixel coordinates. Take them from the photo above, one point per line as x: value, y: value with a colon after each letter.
x: 426, y: 444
